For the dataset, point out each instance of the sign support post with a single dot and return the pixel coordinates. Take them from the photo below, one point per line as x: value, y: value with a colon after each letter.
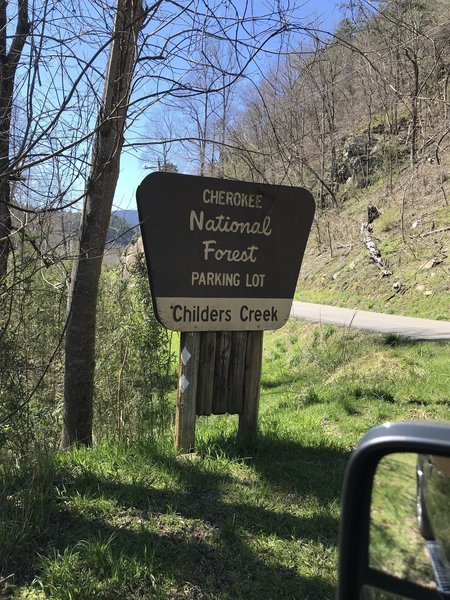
x: 187, y: 391
x: 210, y: 382
x: 248, y: 418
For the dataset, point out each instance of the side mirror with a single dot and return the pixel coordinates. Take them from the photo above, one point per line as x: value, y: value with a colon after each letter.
x: 396, y: 465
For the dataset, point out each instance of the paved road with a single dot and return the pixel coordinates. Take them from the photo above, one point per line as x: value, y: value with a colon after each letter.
x: 407, y: 327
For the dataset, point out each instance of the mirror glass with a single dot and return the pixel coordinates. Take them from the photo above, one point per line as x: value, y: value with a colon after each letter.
x: 410, y: 520
x: 369, y: 593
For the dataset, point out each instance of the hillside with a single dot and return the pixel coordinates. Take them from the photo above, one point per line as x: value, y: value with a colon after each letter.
x: 412, y: 235
x: 129, y: 216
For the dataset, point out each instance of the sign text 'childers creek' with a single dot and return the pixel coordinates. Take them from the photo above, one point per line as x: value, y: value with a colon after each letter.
x: 222, y: 255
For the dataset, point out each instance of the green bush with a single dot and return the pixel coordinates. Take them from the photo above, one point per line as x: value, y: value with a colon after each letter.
x: 135, y: 370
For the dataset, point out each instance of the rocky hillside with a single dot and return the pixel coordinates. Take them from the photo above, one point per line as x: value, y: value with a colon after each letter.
x: 399, y: 261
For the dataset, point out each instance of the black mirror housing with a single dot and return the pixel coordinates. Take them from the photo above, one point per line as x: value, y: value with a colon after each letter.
x: 354, y: 569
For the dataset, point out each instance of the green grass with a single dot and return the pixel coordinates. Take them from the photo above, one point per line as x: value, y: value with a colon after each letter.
x: 250, y: 519
x: 396, y: 546
x: 370, y: 292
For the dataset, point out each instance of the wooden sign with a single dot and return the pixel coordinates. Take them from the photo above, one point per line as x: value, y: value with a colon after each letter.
x: 222, y: 255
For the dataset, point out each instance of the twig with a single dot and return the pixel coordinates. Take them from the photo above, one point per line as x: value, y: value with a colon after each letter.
x: 347, y: 247
x: 434, y: 231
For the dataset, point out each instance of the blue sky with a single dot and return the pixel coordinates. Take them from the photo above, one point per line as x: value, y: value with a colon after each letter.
x: 132, y: 170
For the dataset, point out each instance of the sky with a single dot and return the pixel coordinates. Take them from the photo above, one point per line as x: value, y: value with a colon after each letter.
x: 133, y: 169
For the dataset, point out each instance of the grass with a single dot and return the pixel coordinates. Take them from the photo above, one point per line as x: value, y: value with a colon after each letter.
x: 251, y: 519
x: 396, y: 546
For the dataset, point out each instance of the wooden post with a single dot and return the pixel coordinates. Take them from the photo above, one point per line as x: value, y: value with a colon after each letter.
x: 187, y: 391
x: 237, y: 372
x: 248, y: 419
x: 221, y: 370
x: 206, y: 372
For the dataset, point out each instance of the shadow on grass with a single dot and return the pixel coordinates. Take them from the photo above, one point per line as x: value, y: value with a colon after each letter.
x: 183, y: 566
x: 279, y: 380
x: 198, y: 544
x: 287, y: 465
x: 394, y: 340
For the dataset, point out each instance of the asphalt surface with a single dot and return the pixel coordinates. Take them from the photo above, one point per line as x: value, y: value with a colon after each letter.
x: 405, y: 327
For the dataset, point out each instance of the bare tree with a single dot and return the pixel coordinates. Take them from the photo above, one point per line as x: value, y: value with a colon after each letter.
x: 9, y: 61
x: 100, y: 188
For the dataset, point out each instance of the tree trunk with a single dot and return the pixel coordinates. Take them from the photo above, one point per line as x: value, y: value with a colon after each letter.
x: 5, y: 223
x: 9, y: 60
x: 99, y: 193
x: 414, y: 106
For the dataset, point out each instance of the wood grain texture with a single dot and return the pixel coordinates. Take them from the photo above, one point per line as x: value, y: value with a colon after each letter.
x: 221, y: 367
x: 186, y: 397
x: 205, y: 386
x: 248, y: 419
x: 236, y: 372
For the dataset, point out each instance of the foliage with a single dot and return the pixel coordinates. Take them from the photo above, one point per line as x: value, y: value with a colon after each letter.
x: 240, y: 518
x: 30, y: 357
x: 135, y: 370
x: 12, y: 390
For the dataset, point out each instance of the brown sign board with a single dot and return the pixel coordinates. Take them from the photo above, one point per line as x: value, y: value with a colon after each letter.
x: 222, y: 255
